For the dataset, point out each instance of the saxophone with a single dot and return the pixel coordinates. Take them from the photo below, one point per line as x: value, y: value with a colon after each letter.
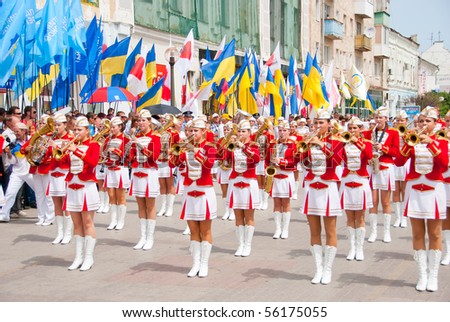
x: 271, y: 170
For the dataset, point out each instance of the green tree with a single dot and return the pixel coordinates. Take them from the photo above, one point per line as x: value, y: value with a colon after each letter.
x: 441, y: 100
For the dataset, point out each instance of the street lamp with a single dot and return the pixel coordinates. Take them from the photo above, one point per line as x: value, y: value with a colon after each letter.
x: 172, y: 54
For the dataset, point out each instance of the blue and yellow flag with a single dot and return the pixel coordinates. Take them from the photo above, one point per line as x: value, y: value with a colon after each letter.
x: 223, y: 66
x: 151, y: 97
x: 114, y: 57
x: 150, y: 66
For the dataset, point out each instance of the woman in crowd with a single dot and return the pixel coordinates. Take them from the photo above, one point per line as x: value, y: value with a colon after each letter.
x: 281, y: 158
x: 144, y: 153
x: 82, y: 199
x: 425, y: 198
x: 224, y: 171
x: 57, y: 189
x: 356, y: 195
x: 199, y: 199
x: 321, y: 197
x: 117, y: 179
x: 243, y: 194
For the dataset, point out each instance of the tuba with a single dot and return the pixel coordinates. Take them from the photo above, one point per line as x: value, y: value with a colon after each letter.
x: 39, y: 143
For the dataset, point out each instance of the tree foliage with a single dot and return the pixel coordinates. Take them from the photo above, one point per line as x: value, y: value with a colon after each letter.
x: 441, y: 100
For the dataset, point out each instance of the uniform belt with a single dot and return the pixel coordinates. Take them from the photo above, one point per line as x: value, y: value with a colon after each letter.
x: 422, y: 187
x: 140, y: 174
x: 196, y: 193
x: 281, y: 176
x: 76, y: 186
x: 114, y: 168
x: 353, y: 184
x: 242, y: 185
x: 318, y: 185
x: 57, y: 174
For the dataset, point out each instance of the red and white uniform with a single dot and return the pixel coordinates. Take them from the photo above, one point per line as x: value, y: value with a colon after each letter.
x: 199, y: 198
x: 446, y: 176
x: 355, y: 190
x: 425, y: 196
x: 41, y: 178
x: 82, y: 193
x: 243, y: 192
x: 321, y: 197
x: 144, y: 174
x: 384, y: 178
x: 57, y: 186
x: 116, y: 171
x: 224, y: 159
x: 263, y: 142
x: 167, y: 139
x: 283, y: 183
x: 400, y: 172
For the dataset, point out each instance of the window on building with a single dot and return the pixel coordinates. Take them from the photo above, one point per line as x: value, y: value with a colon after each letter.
x: 377, y: 66
x: 225, y: 13
x: 175, y: 5
x: 202, y: 10
x: 344, y: 60
x: 351, y: 28
x: 326, y: 54
x: 358, y: 28
x: 344, y: 22
x: 295, y: 30
x: 327, y: 11
x: 318, y: 9
x: 336, y: 59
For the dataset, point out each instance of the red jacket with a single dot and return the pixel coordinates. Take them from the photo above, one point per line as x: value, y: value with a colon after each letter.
x: 251, y: 150
x: 365, y: 146
x: 90, y: 161
x: 118, y: 151
x: 390, y: 144
x: 152, y: 151
x: 206, y: 156
x: 287, y: 162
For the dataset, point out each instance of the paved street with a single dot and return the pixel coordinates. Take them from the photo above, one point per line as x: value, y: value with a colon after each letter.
x: 32, y: 269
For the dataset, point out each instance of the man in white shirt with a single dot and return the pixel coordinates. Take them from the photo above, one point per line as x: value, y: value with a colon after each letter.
x: 20, y: 170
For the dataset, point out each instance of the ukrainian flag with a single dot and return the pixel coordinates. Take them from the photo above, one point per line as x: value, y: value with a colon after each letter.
x: 223, y: 66
x: 150, y: 66
x: 151, y: 97
x: 114, y: 58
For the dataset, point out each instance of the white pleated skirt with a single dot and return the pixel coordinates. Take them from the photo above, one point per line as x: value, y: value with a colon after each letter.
x: 81, y: 196
x: 117, y: 178
x: 243, y: 193
x: 428, y: 202
x: 283, y: 187
x: 199, y: 203
x: 355, y: 193
x: 261, y: 168
x: 164, y: 171
x: 223, y: 176
x: 384, y: 179
x: 144, y: 183
x: 321, y: 198
x: 57, y: 185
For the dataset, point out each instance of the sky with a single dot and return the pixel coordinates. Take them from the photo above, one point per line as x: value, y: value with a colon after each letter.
x: 424, y: 18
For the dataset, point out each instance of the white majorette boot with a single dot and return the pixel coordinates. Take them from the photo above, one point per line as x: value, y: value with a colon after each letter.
x: 265, y: 203
x: 261, y: 199
x: 170, y: 202
x: 79, y: 250
x: 434, y: 259
x: 68, y: 225
x: 330, y: 254
x: 106, y: 204
x: 151, y: 223
x: 446, y: 241
x: 240, y: 234
x: 232, y: 216
x: 204, y: 258
x: 316, y: 251
x: 360, y: 236
x: 404, y: 219
x: 420, y: 256
x: 398, y: 216
x: 121, y: 212
x: 249, y: 231
x: 162, y: 210
x: 373, y: 218
x: 187, y: 231
x: 277, y: 220
x: 60, y: 226
x: 88, y: 253
x: 352, y: 239
x: 113, y: 223
x: 195, y: 252
x: 285, y: 220
x: 102, y: 201
x: 387, y: 228
x: 143, y: 239
x: 226, y: 215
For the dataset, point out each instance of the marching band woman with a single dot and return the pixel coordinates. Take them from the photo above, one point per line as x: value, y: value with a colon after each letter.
x: 446, y: 222
x: 57, y: 189
x: 117, y: 179
x: 181, y: 173
x: 321, y: 197
x: 102, y: 130
x: 199, y: 199
x: 281, y: 156
x: 425, y: 197
x: 398, y: 195
x: 224, y: 171
x: 263, y: 136
x: 296, y: 137
x: 165, y: 175
x: 243, y: 194
x: 386, y: 148
x: 144, y: 153
x: 355, y: 192
x: 82, y: 199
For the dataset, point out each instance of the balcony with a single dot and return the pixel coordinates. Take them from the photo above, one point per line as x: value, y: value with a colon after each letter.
x: 333, y: 29
x: 363, y: 43
x: 381, y: 51
x: 363, y: 8
x: 381, y: 18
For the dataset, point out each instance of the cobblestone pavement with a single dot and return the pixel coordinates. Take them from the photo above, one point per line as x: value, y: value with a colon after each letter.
x: 32, y: 269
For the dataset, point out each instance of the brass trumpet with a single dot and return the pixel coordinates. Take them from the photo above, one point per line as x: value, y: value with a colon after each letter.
x: 58, y: 154
x: 303, y: 146
x: 413, y: 138
x: 178, y: 148
x: 403, y: 129
x: 442, y: 133
x: 346, y: 136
